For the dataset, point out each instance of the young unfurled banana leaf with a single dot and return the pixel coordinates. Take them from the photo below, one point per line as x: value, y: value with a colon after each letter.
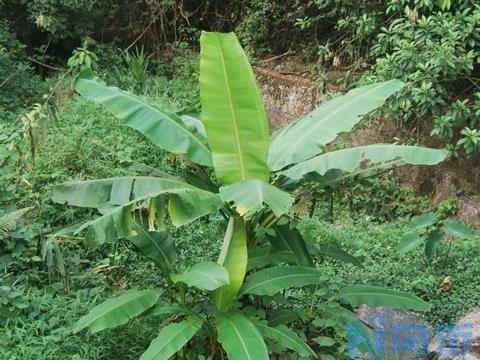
x: 234, y: 258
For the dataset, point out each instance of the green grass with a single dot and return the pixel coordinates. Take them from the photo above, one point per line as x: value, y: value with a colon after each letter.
x: 375, y: 244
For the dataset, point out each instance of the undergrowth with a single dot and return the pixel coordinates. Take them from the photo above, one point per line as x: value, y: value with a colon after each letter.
x: 89, y: 143
x: 376, y: 246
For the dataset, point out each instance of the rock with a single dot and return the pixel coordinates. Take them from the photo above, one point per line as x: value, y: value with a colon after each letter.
x: 446, y: 188
x: 286, y: 97
x: 459, y: 357
x: 397, y: 333
x: 374, y: 131
x: 459, y: 342
x: 469, y: 211
x: 467, y: 357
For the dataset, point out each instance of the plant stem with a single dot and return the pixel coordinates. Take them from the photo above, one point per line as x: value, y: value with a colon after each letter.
x: 267, y: 220
x: 331, y: 206
x: 312, y: 207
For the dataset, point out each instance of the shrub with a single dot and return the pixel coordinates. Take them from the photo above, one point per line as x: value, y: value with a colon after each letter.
x: 19, y: 86
x: 234, y: 170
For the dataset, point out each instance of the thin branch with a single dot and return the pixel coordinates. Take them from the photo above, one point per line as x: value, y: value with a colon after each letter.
x: 274, y: 58
x: 45, y: 65
x: 8, y: 78
x: 139, y: 37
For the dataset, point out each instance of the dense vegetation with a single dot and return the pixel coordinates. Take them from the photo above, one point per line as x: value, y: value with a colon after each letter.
x: 432, y: 45
x: 187, y: 227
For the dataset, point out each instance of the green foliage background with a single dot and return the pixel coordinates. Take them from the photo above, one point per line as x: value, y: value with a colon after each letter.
x: 433, y: 45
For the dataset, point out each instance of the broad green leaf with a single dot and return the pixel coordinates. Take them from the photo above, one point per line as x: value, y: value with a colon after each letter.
x: 115, y: 191
x: 306, y: 137
x: 335, y: 252
x: 410, y: 242
x: 366, y: 158
x: 163, y: 128
x: 172, y: 338
x: 186, y: 206
x: 377, y: 296
x: 200, y: 179
x: 185, y: 203
x: 112, y: 225
x: 249, y: 197
x: 433, y: 239
x: 324, y: 341
x: 232, y: 110
x: 423, y: 221
x: 117, y: 311
x: 457, y: 229
x: 193, y: 122
x: 272, y: 280
x: 205, y: 276
x: 286, y: 338
x: 157, y: 246
x: 286, y: 238
x: 169, y: 309
x: 118, y: 223
x: 262, y: 260
x: 282, y: 316
x: 240, y: 338
x: 233, y: 257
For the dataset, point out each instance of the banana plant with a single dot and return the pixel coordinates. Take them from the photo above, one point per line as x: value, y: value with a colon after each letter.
x: 247, y: 175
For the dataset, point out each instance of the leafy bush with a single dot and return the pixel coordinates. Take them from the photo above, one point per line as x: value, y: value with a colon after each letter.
x: 19, y: 86
x: 82, y: 59
x: 260, y: 230
x: 429, y: 230
x: 436, y: 51
x: 136, y: 71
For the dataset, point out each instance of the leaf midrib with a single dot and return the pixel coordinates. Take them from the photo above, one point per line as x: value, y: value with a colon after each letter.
x: 127, y: 301
x: 234, y: 117
x: 275, y: 279
x: 241, y: 339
